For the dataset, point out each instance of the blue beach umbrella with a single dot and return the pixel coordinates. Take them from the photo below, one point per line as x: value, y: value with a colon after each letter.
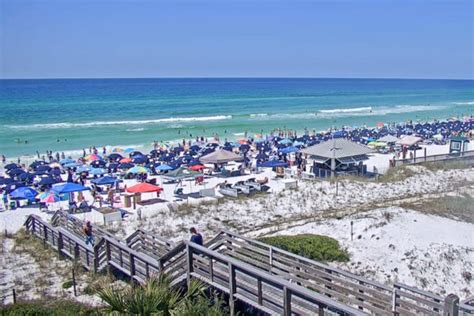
x: 72, y: 165
x: 66, y: 161
x: 24, y: 193
x: 83, y: 169
x: 164, y: 168
x: 105, y: 180
x: 97, y: 171
x: 274, y: 164
x: 288, y: 150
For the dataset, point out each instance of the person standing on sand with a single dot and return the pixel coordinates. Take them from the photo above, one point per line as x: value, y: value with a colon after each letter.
x: 195, y: 236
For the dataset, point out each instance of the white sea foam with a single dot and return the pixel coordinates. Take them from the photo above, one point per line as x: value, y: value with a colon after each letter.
x: 349, y: 110
x: 464, y: 103
x: 140, y: 129
x: 108, y: 123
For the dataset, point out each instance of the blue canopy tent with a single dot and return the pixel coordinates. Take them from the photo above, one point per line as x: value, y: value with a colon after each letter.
x: 83, y: 169
x: 5, y: 181
x: 13, y: 186
x: 114, y: 157
x: 68, y: 188
x: 24, y: 193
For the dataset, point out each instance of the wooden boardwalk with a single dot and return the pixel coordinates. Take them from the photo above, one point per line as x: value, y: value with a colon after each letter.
x: 267, y: 278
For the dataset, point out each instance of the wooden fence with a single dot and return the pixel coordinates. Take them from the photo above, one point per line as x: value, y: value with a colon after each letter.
x: 466, y: 155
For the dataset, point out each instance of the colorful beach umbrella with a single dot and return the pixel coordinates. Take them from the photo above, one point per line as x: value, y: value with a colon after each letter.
x: 49, y: 197
x: 139, y: 169
x: 93, y: 157
x: 97, y: 171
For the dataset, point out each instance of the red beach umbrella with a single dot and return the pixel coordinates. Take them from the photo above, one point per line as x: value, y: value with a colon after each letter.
x: 196, y: 167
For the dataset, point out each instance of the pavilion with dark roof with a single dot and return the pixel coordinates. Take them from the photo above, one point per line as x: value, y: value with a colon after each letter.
x: 338, y: 156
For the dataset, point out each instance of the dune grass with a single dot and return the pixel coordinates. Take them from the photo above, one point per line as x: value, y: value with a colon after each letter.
x: 316, y: 247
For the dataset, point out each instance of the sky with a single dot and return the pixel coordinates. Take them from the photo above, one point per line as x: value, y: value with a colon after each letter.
x: 237, y: 38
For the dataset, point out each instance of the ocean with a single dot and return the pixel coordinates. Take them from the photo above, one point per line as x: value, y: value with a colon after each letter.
x: 71, y: 114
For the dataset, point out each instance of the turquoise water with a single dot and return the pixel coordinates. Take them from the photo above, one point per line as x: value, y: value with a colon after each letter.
x: 135, y: 112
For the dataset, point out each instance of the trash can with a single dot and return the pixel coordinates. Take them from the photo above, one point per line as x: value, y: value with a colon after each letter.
x: 127, y: 200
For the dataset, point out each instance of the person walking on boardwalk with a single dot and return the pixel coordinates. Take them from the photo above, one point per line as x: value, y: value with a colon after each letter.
x: 195, y: 236
x: 88, y: 232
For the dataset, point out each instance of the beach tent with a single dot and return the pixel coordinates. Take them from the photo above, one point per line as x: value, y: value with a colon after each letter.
x: 68, y: 188
x: 144, y: 188
x: 220, y: 156
x: 24, y: 193
x: 409, y: 140
x: 181, y: 173
x: 72, y: 165
x: 98, y: 164
x: 114, y: 156
x: 105, y: 180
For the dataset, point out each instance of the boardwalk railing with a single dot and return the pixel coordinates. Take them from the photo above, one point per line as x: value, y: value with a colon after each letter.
x: 241, y: 281
x: 185, y: 261
x: 466, y: 155
x: 343, y: 286
x: 267, y: 278
x: 66, y: 243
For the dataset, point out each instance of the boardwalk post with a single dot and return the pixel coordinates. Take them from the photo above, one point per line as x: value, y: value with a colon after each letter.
x: 394, y: 302
x: 132, y: 265
x: 451, y: 305
x: 189, y: 253
x: 74, y: 281
x: 108, y: 256
x: 96, y: 258
x: 211, y: 269
x: 270, y: 257
x: 286, y: 302
x: 45, y: 235
x: 259, y: 291
x: 232, y: 288
x: 60, y: 243
x: 14, y: 296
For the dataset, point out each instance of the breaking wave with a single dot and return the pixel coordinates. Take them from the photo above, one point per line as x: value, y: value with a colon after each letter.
x: 110, y: 123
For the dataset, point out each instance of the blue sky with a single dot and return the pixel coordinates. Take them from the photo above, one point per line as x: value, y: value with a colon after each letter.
x: 225, y: 38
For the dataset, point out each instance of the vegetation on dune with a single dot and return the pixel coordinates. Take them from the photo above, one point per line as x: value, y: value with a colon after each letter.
x: 48, y: 307
x: 156, y: 297
x: 321, y: 248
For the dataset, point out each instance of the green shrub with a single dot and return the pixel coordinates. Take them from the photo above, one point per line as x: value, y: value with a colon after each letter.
x: 47, y: 307
x: 315, y: 247
x: 67, y: 284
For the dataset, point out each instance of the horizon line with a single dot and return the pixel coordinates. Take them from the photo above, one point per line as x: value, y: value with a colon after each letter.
x: 235, y: 77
